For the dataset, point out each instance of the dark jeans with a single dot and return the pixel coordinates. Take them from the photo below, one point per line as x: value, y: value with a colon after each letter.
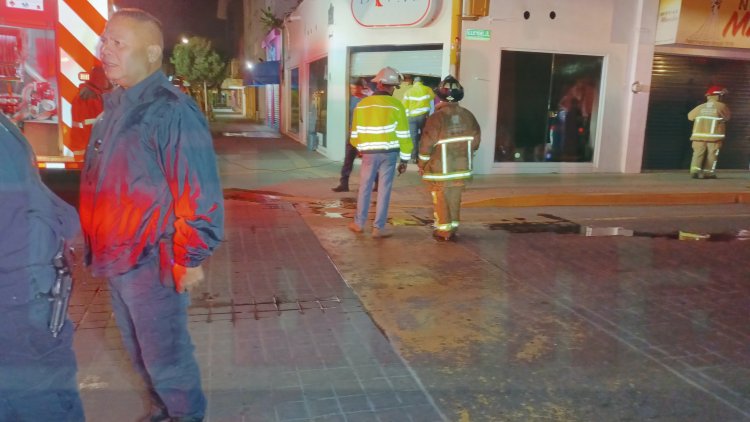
x: 416, y: 124
x: 152, y: 318
x: 37, y: 371
x: 346, y: 169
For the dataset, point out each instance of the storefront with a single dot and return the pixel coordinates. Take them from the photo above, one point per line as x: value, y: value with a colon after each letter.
x: 564, y: 82
x: 329, y: 43
x: 549, y: 96
x: 699, y: 43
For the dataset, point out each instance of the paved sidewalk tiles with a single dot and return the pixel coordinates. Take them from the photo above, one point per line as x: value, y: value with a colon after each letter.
x: 279, y: 336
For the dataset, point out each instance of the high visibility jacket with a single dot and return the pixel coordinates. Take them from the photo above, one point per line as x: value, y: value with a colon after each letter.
x: 379, y: 124
x: 449, y: 139
x: 709, y: 118
x: 418, y: 100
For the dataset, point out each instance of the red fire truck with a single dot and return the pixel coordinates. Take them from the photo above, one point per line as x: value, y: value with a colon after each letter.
x: 46, y: 49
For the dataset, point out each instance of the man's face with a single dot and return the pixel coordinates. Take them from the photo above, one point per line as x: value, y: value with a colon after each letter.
x: 125, y: 52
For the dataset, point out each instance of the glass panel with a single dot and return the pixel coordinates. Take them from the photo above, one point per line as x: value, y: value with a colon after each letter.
x: 28, y: 85
x: 318, y: 97
x: 547, y: 108
x: 294, y: 101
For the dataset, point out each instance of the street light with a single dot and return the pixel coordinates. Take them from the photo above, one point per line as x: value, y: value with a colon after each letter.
x: 249, y: 64
x: 185, y: 40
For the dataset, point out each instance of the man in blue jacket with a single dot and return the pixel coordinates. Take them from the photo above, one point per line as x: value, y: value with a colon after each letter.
x: 151, y: 210
x: 37, y: 370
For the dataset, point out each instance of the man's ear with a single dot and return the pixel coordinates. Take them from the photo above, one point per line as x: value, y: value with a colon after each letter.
x: 154, y: 53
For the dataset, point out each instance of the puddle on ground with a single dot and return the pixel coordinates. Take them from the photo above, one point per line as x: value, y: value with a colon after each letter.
x: 559, y: 225
x: 259, y: 196
x: 553, y: 224
x: 253, y: 134
x: 704, y: 237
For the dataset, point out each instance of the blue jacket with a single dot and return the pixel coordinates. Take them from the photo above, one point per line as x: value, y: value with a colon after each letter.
x: 33, y: 221
x: 150, y: 179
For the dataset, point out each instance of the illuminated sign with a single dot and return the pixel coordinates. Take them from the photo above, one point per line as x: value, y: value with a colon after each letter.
x: 478, y: 34
x: 394, y: 13
x: 715, y: 23
x: 25, y: 4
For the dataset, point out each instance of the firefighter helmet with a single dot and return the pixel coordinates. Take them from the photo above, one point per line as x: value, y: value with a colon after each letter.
x: 716, y: 90
x: 450, y: 90
x: 388, y: 76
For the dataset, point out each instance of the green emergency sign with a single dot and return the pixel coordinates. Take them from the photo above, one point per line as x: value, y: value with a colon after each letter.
x: 478, y: 34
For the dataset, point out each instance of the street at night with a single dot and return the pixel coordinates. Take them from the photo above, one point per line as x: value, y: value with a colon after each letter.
x: 524, y: 318
x: 374, y: 211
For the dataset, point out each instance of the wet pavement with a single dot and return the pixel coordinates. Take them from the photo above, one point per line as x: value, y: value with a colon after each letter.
x: 524, y: 318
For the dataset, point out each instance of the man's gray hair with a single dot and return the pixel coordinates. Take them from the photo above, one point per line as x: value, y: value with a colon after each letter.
x: 141, y: 16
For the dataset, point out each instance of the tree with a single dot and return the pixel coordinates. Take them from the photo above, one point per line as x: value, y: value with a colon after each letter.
x: 198, y: 63
x: 269, y: 19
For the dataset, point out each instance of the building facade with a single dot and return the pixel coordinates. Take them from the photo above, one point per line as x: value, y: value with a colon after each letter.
x: 557, y: 86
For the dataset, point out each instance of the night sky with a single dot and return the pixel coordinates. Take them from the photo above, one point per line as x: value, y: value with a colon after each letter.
x: 190, y: 18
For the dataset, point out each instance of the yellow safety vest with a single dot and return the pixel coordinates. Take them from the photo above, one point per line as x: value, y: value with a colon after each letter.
x: 379, y: 124
x: 417, y: 100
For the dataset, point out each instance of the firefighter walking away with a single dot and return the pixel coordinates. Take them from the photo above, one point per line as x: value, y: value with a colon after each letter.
x: 450, y: 138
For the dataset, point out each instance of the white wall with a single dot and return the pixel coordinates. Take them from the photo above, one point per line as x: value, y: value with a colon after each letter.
x: 620, y: 31
x: 310, y: 38
x: 591, y: 27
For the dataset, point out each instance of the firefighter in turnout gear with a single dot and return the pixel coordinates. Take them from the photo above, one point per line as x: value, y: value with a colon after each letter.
x: 380, y: 131
x: 451, y: 136
x: 87, y: 105
x: 418, y: 104
x: 709, y: 129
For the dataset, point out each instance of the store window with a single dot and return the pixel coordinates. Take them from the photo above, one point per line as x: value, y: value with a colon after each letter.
x: 547, y: 108
x: 294, y: 100
x: 318, y: 103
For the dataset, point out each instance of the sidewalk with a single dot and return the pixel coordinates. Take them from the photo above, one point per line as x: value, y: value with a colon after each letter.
x: 279, y: 336
x: 290, y: 169
x: 301, y: 320
x: 537, y: 327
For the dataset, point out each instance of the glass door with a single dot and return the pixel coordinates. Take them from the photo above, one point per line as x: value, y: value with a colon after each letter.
x: 548, y: 106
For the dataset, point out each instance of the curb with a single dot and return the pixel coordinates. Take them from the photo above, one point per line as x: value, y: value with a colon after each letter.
x: 602, y: 199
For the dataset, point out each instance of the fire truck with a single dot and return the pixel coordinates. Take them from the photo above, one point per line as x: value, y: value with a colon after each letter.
x: 47, y: 48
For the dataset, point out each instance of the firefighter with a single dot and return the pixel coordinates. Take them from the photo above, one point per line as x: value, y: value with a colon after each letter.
x: 380, y: 131
x: 85, y: 108
x: 418, y: 103
x: 451, y: 136
x: 709, y: 129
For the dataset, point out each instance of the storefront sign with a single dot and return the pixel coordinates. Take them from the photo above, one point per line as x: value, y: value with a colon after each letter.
x: 478, y: 34
x: 394, y: 13
x: 25, y: 4
x: 715, y: 23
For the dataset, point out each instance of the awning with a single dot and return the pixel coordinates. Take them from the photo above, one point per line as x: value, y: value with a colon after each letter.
x: 264, y: 73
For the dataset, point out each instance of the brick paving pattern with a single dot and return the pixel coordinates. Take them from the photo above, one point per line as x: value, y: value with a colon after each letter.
x: 279, y: 336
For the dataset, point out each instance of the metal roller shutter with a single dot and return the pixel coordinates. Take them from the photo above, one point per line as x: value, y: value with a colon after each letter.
x: 415, y: 62
x: 678, y: 84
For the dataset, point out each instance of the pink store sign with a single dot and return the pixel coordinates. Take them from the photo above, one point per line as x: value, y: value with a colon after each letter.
x: 394, y: 13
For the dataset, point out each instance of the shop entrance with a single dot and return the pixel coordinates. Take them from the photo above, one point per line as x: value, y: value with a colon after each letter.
x: 548, y: 107
x: 678, y: 84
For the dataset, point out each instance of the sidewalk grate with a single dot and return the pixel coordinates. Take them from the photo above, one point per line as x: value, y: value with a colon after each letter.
x: 258, y: 309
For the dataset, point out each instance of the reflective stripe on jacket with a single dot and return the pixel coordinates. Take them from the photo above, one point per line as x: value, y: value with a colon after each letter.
x: 379, y: 124
x: 418, y: 100
x: 449, y: 139
x: 709, y: 118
